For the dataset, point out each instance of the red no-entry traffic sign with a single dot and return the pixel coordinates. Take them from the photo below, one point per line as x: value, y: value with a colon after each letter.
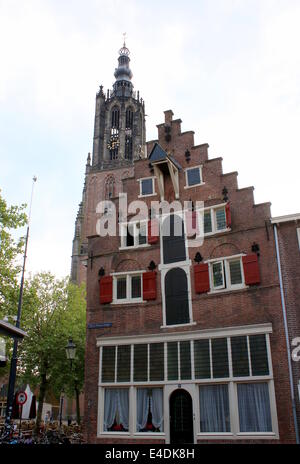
x: 21, y: 398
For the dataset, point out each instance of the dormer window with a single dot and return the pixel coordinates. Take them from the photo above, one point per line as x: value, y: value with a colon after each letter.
x: 147, y: 187
x: 193, y: 176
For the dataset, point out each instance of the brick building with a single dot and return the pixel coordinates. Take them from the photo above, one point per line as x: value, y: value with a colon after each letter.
x: 185, y: 332
x: 287, y: 238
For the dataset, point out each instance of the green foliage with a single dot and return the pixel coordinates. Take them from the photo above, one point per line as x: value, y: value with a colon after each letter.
x: 11, y: 218
x: 53, y: 311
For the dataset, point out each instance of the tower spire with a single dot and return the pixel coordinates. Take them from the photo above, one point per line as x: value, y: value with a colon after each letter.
x: 123, y: 85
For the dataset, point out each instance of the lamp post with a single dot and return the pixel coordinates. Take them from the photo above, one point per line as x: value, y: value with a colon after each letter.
x: 71, y: 355
x: 14, y: 359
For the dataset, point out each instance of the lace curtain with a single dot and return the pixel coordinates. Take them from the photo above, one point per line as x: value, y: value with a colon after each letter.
x: 116, y: 402
x: 254, y: 407
x: 156, y: 407
x: 214, y: 408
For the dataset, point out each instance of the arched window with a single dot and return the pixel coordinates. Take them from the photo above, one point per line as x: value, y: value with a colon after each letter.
x: 176, y: 295
x: 173, y: 239
x: 109, y: 187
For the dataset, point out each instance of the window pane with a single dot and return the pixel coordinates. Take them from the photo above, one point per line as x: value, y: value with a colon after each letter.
x: 116, y: 410
x: 172, y: 361
x: 147, y: 187
x: 202, y: 361
x: 149, y: 409
x: 108, y: 363
x: 136, y: 287
x: 130, y: 236
x: 254, y: 407
x: 173, y: 239
x: 207, y: 222
x: 185, y: 360
x: 239, y: 351
x: 235, y: 272
x: 121, y: 288
x: 218, y: 274
x: 123, y: 366
x: 220, y: 358
x: 259, y: 355
x: 221, y: 219
x: 157, y: 361
x: 142, y: 230
x: 140, y: 363
x: 214, y: 408
x: 193, y: 176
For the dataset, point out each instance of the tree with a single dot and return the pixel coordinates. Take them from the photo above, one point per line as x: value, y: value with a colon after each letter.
x: 11, y: 218
x: 53, y: 310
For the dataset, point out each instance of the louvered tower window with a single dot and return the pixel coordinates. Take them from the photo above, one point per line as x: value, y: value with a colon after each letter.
x: 128, y: 133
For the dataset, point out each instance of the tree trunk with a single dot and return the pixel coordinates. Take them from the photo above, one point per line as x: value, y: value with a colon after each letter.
x: 42, y: 392
x: 77, y: 405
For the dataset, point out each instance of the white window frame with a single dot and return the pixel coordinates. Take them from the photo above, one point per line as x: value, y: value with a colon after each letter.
x: 200, y: 167
x: 222, y: 286
x: 123, y: 235
x: 128, y: 298
x: 226, y: 273
x: 213, y: 217
x: 191, y: 385
x: 153, y: 187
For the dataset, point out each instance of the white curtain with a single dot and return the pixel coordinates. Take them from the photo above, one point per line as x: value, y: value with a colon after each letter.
x: 214, y: 408
x: 110, y: 407
x: 254, y: 407
x: 123, y: 406
x: 142, y: 403
x: 157, y: 408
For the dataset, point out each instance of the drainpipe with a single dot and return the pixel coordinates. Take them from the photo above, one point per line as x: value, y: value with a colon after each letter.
x: 286, y: 335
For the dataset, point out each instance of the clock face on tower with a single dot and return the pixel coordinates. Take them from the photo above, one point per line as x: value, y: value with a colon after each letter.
x: 114, y: 139
x: 114, y: 143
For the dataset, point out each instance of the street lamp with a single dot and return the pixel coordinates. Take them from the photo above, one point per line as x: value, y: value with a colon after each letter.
x: 14, y: 359
x: 71, y: 354
x: 70, y: 351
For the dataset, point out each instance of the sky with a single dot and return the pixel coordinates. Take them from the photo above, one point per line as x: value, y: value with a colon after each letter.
x: 230, y: 69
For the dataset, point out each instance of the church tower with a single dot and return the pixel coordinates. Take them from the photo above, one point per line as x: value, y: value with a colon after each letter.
x: 119, y: 133
x: 119, y: 140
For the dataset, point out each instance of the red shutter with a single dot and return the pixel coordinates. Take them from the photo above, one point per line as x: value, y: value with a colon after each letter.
x: 201, y: 275
x: 106, y: 289
x: 149, y: 286
x: 191, y: 223
x: 228, y: 215
x: 251, y: 269
x: 153, y: 231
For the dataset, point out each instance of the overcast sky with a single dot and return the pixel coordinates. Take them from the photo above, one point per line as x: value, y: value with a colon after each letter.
x: 230, y: 69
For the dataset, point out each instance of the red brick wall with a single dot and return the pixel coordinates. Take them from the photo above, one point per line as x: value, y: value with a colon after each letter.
x: 260, y: 304
x: 290, y: 266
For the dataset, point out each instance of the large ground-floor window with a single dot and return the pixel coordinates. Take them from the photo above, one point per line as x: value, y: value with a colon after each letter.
x: 227, y: 374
